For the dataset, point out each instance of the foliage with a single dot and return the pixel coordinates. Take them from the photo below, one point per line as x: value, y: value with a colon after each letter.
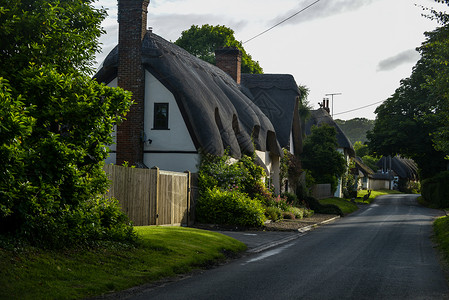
x: 243, y: 175
x: 231, y: 193
x: 230, y: 208
x: 57, y: 121
x: 273, y: 213
x: 317, y: 207
x: 162, y: 252
x: 371, y: 162
x: 63, y: 34
x: 356, y: 129
x: 320, y: 155
x: 290, y: 168
x: 360, y: 149
x: 413, y: 122
x: 203, y: 41
x: 349, y: 183
x: 434, y: 190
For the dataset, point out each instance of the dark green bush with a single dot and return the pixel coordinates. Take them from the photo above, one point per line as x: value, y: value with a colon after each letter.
x: 99, y: 219
x: 290, y: 197
x: 435, y: 190
x: 229, y: 208
x: 317, y: 207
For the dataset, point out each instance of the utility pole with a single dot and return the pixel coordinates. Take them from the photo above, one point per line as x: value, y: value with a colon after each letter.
x: 332, y: 95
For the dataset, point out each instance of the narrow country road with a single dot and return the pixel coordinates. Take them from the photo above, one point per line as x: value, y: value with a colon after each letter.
x: 383, y: 251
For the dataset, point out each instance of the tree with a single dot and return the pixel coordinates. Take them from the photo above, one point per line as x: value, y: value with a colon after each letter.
x: 203, y: 41
x: 356, y: 129
x: 435, y: 53
x: 320, y: 155
x: 57, y: 123
x: 411, y: 120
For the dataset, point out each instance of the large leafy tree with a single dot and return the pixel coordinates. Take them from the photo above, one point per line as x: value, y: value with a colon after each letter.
x: 203, y: 41
x: 320, y: 155
x: 413, y: 121
x: 55, y: 121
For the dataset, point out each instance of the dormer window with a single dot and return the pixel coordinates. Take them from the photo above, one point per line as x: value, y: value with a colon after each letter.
x: 160, y: 120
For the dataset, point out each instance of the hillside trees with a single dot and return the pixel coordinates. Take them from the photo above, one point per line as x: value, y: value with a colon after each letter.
x: 55, y: 123
x: 203, y: 41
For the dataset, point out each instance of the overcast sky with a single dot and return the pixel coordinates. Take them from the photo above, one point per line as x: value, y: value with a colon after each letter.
x: 359, y: 48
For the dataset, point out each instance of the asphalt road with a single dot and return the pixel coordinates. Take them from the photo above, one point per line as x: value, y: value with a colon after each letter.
x: 381, y: 252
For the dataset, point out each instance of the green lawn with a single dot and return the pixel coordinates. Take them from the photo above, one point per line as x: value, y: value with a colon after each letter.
x: 348, y: 207
x: 441, y: 238
x: 76, y: 274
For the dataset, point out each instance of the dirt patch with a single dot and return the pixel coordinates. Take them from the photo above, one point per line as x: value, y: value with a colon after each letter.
x: 292, y: 225
x: 282, y: 225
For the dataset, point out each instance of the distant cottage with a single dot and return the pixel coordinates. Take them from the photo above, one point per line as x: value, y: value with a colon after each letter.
x: 185, y: 106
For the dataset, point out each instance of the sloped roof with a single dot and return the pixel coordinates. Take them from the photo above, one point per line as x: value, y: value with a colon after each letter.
x: 362, y: 167
x: 276, y: 95
x: 321, y: 116
x: 217, y: 113
x: 403, y: 167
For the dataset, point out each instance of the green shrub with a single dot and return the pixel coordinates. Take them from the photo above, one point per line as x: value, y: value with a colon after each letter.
x: 291, y: 198
x: 435, y: 190
x: 317, y: 207
x: 288, y: 215
x: 99, y: 219
x: 229, y: 207
x: 273, y: 213
x: 297, y: 212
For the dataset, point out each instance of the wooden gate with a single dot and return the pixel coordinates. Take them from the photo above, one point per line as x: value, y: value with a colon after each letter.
x: 151, y: 196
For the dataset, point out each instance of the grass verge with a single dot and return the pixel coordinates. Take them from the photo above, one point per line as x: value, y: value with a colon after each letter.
x: 348, y: 207
x: 75, y: 274
x: 373, y: 195
x: 441, y: 237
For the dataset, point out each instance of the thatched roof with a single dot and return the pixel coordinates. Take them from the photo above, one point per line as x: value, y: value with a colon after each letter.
x: 402, y: 167
x: 277, y: 96
x: 217, y: 113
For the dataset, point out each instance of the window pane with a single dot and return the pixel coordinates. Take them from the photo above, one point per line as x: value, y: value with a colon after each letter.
x: 160, y: 116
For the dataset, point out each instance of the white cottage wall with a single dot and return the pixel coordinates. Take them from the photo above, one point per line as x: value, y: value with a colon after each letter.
x: 170, y: 149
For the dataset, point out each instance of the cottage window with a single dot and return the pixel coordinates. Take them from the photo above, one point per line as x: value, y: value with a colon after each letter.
x: 160, y: 116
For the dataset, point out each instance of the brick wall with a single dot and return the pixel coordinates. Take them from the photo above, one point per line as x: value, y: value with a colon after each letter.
x: 131, y: 76
x: 229, y: 59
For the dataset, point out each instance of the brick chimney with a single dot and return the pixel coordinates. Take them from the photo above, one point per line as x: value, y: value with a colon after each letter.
x: 132, y: 18
x: 229, y: 59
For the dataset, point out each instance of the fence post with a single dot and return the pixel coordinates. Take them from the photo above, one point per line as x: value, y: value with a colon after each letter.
x: 188, y: 197
x: 156, y: 187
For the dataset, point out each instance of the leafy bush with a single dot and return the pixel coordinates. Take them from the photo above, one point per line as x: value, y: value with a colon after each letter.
x: 292, y: 199
x: 435, y: 190
x: 273, y: 213
x: 297, y: 212
x: 55, y: 123
x: 288, y: 215
x: 229, y: 207
x: 99, y: 219
x: 317, y: 207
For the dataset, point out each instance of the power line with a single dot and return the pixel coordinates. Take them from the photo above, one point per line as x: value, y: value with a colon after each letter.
x: 348, y: 111
x: 285, y: 20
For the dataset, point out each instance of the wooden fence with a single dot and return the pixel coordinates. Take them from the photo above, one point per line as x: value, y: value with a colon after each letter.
x: 321, y: 191
x: 152, y: 196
